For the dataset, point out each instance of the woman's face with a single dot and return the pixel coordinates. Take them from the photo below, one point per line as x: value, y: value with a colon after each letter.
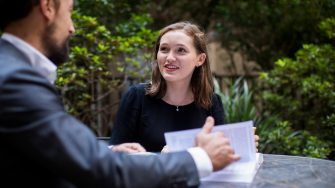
x: 177, y: 57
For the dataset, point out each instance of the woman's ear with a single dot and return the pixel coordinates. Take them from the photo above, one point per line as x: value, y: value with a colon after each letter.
x: 48, y: 9
x: 201, y: 59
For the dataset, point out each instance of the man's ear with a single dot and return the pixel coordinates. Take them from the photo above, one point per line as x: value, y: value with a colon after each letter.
x: 48, y: 9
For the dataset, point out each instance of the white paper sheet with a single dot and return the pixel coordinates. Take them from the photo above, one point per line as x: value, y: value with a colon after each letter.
x: 241, y: 137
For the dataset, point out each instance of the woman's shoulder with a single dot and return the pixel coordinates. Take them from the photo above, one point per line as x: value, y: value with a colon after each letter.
x: 138, y: 89
x: 216, y: 98
x: 134, y: 94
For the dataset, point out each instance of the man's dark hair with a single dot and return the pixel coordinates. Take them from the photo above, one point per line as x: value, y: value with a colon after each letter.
x: 13, y: 10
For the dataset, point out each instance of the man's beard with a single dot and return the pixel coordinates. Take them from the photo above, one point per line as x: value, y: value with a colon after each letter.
x: 57, y: 52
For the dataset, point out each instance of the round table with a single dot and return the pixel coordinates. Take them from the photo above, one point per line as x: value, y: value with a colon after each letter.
x: 285, y: 171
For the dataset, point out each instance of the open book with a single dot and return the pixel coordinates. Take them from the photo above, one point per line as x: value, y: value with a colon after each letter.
x: 241, y: 137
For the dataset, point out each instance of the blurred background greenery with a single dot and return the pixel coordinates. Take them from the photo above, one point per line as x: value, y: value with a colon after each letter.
x: 290, y: 95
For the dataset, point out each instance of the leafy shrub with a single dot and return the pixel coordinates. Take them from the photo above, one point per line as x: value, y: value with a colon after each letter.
x: 278, y: 137
x: 237, y: 101
x: 301, y: 91
x: 100, y: 63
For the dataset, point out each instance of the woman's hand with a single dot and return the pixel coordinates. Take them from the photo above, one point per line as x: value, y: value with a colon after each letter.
x: 128, y: 148
x: 256, y: 139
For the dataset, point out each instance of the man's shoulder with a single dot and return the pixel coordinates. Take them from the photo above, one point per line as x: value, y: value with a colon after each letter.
x: 14, y: 70
x: 10, y: 65
x: 11, y: 59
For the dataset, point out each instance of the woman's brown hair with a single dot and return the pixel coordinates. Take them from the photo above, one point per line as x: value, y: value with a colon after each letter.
x: 201, y: 81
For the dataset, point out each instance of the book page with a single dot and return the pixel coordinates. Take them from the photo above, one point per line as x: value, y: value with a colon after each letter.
x: 241, y: 137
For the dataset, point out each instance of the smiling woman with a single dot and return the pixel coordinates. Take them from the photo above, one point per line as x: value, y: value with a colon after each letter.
x: 177, y: 57
x: 180, y: 95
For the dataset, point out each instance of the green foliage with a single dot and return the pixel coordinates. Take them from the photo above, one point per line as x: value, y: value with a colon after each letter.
x: 86, y: 70
x: 265, y: 30
x: 328, y: 26
x: 279, y: 137
x: 301, y: 91
x: 99, y: 62
x: 132, y: 41
x: 237, y: 102
x: 276, y: 136
x: 115, y: 13
x: 268, y: 30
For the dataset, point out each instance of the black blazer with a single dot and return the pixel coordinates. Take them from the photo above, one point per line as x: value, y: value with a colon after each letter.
x: 43, y: 146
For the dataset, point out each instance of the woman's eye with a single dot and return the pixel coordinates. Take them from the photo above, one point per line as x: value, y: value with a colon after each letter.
x: 163, y: 49
x: 181, y: 50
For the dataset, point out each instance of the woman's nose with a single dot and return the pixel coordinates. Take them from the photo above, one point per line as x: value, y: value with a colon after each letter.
x: 170, y: 56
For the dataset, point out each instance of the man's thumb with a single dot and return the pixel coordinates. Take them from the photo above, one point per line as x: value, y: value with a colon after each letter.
x: 208, y: 126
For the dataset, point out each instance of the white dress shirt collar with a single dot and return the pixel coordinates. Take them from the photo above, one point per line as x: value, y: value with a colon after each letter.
x: 38, y: 61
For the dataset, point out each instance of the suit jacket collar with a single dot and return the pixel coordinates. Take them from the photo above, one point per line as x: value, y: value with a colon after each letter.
x: 35, y: 58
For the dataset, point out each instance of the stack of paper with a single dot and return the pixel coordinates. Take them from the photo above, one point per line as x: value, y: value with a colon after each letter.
x: 241, y: 137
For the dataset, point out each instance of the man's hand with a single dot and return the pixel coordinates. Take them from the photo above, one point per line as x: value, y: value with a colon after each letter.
x: 165, y: 149
x: 128, y: 148
x: 216, y: 146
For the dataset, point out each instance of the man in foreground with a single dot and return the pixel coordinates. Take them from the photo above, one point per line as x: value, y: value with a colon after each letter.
x: 43, y: 146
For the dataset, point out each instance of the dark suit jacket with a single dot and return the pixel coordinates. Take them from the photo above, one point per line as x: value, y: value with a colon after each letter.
x: 43, y: 146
